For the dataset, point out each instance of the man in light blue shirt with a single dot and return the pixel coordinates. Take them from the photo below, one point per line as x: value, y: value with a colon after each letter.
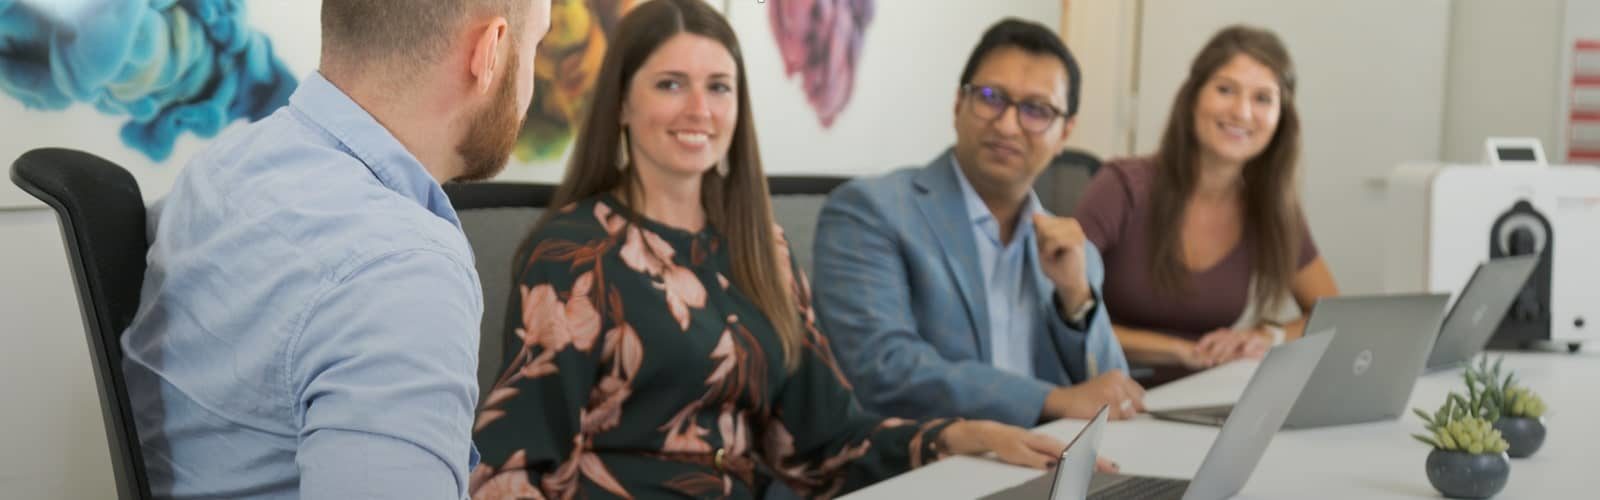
x: 308, y: 326
x: 946, y: 290
x: 1003, y: 263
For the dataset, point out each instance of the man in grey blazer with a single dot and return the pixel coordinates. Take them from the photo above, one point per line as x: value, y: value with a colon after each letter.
x: 947, y: 290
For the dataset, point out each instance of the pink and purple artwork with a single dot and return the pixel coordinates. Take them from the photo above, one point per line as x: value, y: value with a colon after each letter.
x: 820, y: 41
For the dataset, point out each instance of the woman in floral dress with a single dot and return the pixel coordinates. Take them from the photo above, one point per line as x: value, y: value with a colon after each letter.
x: 647, y: 362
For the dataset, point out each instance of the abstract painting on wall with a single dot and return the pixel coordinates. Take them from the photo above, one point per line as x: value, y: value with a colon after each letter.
x: 820, y: 41
x: 168, y: 68
x: 564, y: 74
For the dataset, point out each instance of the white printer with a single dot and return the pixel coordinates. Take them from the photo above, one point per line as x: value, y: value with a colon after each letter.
x: 1443, y: 220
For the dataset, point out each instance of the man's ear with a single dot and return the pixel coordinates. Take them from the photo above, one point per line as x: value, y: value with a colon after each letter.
x: 487, y: 49
x: 1066, y: 132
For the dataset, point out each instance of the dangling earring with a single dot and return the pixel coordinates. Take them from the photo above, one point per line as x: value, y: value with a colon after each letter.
x: 722, y: 167
x: 622, y: 150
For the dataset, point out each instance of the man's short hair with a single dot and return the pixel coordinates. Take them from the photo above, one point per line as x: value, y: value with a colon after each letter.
x: 362, y: 31
x: 1033, y: 38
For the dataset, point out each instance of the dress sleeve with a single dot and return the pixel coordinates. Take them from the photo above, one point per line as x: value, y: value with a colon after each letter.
x: 1105, y: 208
x: 820, y: 441
x: 535, y: 426
x: 1308, y: 245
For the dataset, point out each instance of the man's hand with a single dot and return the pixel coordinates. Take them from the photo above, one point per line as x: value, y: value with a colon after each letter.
x: 1062, y: 257
x: 1082, y: 401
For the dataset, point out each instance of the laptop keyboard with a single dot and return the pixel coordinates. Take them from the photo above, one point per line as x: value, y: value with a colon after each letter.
x: 1137, y: 488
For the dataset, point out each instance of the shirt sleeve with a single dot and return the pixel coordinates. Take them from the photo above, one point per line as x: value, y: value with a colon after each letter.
x: 386, y: 369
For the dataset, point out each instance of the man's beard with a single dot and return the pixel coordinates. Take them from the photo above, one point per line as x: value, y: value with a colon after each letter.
x: 492, y: 133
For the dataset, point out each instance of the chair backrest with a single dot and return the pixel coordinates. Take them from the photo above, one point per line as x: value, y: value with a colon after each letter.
x: 1063, y: 182
x: 796, y: 202
x: 102, y: 218
x: 496, y: 216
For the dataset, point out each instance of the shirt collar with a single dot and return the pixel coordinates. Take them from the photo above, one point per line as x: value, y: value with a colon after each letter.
x: 979, y: 215
x: 370, y: 142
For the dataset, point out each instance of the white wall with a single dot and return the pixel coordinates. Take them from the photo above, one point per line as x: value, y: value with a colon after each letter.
x: 52, y: 442
x: 1371, y: 86
x: 1103, y: 35
x: 902, y: 109
x: 1504, y: 72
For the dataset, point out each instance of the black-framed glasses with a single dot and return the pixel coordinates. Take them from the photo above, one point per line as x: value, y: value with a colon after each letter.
x: 1033, y: 115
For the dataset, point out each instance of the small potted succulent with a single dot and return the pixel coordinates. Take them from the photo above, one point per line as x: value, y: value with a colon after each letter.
x: 1469, y: 456
x: 1515, y: 411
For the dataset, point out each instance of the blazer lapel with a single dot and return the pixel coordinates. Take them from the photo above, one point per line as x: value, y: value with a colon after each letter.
x: 943, y: 208
x: 1049, y: 357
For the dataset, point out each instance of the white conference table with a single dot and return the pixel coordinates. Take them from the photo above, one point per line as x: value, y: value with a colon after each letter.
x: 1376, y: 460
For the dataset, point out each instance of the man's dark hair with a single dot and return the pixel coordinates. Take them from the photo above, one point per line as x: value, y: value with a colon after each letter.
x: 1033, y: 38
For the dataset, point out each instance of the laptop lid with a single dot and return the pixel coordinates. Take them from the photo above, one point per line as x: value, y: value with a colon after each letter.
x: 1259, y: 414
x: 1368, y: 373
x: 1476, y: 314
x: 1077, y: 461
x: 1071, y: 478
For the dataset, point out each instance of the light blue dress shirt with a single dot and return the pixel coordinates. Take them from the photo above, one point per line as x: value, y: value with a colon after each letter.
x: 308, y: 326
x: 1010, y: 302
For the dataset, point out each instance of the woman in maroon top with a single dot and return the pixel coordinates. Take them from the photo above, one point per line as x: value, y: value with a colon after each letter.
x: 1207, y: 251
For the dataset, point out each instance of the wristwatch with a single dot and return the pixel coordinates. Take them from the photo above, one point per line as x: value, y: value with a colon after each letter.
x: 1079, y: 319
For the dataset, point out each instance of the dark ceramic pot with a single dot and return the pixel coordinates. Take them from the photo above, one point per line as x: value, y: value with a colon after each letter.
x: 1464, y: 475
x: 1525, y: 435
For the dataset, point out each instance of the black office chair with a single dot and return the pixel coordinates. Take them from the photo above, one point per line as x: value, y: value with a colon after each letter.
x: 796, y: 202
x: 102, y: 219
x: 496, y: 216
x: 1062, y: 183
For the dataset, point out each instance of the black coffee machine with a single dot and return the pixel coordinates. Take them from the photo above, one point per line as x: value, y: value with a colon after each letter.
x: 1522, y: 230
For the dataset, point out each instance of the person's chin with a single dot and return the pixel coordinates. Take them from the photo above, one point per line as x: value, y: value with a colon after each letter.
x: 1240, y: 156
x: 1234, y: 151
x: 1008, y: 172
x: 689, y: 169
x: 484, y: 174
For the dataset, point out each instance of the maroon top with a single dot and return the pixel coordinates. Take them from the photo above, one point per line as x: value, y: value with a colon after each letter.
x: 1115, y: 214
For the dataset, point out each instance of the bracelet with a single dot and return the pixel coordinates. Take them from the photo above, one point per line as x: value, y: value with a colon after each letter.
x: 1276, y: 332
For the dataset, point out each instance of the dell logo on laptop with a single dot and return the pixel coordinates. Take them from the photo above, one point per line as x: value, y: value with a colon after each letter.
x: 1363, y: 361
x: 1477, y: 314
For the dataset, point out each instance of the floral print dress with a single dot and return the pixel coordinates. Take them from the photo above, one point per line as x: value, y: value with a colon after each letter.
x: 640, y: 371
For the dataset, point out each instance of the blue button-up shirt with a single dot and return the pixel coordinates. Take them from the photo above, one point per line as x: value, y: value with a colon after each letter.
x: 1011, y: 302
x: 308, y: 326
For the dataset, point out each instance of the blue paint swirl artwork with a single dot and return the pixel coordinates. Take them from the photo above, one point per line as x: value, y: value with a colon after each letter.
x: 167, y: 66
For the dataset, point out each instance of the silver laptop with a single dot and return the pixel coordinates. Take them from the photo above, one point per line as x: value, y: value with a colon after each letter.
x: 1369, y: 371
x: 1229, y: 463
x: 1479, y: 309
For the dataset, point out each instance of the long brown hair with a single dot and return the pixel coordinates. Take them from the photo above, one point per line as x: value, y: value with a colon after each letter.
x: 738, y: 204
x: 1271, y: 202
